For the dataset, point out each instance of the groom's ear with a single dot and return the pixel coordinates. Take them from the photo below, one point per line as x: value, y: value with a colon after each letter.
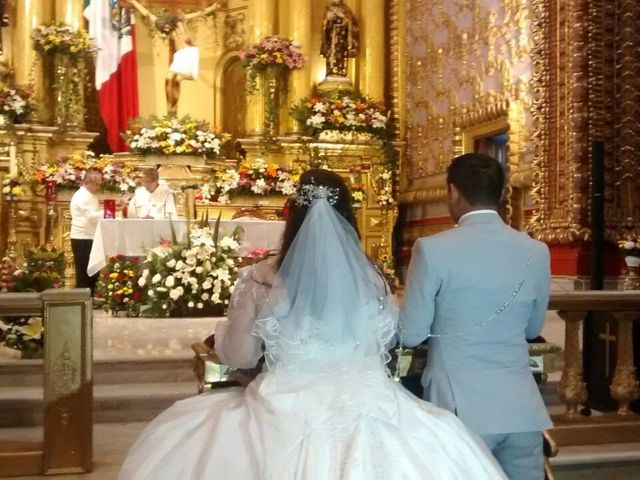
x: 454, y: 194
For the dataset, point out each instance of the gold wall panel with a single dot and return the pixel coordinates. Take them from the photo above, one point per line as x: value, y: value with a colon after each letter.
x: 464, y: 57
x: 586, y: 80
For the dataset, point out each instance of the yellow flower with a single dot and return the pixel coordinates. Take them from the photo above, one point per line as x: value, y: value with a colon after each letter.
x: 33, y: 329
x: 113, y: 275
x: 16, y: 191
x: 110, y: 286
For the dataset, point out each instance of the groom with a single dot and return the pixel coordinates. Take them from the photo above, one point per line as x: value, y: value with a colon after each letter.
x: 479, y: 291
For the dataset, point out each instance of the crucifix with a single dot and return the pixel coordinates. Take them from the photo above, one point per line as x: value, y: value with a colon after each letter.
x: 608, y: 338
x: 184, y: 54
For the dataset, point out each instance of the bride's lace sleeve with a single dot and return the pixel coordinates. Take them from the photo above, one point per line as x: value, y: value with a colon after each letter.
x: 235, y: 345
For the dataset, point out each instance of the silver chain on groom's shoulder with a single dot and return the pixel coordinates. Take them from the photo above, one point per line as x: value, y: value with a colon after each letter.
x: 495, y: 314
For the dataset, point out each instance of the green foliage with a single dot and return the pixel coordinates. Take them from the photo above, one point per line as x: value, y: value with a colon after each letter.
x: 43, y: 269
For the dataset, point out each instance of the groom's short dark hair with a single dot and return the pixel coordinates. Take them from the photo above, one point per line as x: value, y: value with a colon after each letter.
x: 478, y: 177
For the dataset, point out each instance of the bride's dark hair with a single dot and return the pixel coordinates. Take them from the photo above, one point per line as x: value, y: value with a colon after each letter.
x: 297, y: 213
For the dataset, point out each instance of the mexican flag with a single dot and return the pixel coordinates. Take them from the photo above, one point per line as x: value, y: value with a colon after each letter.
x: 113, y: 29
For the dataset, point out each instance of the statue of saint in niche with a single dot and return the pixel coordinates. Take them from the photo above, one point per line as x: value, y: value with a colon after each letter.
x: 184, y: 54
x: 340, y: 39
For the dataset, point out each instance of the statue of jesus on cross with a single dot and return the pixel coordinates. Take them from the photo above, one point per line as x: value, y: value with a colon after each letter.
x: 185, y: 55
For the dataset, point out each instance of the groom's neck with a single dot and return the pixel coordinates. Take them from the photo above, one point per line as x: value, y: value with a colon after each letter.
x: 474, y: 208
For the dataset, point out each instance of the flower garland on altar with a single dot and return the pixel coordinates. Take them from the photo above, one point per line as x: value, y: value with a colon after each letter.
x: 357, y: 187
x: 342, y: 111
x: 383, y: 187
x: 62, y: 39
x: 16, y: 105
x: 257, y: 178
x: 68, y: 171
x: 387, y: 267
x: 272, y: 52
x: 173, y: 136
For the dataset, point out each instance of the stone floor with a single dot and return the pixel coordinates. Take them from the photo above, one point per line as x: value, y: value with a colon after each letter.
x: 110, y: 444
x: 112, y: 440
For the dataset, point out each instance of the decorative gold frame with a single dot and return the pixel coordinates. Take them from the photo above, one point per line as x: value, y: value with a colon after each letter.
x: 586, y: 84
x: 503, y: 117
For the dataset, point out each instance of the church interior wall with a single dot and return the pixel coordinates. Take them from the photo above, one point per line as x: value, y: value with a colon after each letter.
x: 467, y: 62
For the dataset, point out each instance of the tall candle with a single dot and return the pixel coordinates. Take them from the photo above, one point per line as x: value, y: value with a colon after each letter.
x: 13, y: 160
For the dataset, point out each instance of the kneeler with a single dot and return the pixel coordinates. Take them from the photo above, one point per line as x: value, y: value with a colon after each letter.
x: 206, y: 367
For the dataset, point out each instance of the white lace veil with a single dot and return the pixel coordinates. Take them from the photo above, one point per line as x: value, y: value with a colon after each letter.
x: 328, y: 304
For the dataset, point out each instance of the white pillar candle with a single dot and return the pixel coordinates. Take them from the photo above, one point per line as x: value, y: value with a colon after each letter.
x: 13, y: 160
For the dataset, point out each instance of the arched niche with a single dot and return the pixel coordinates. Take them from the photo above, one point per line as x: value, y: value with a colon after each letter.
x: 231, y: 95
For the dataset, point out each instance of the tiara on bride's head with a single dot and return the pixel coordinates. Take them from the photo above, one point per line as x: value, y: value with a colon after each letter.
x: 307, y: 193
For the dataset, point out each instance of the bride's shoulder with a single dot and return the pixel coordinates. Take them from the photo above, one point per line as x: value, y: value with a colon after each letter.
x: 261, y: 272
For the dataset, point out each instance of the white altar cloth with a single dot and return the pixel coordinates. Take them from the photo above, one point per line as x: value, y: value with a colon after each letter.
x: 131, y: 237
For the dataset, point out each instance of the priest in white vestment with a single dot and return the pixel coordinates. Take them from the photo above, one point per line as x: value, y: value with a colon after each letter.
x: 152, y: 199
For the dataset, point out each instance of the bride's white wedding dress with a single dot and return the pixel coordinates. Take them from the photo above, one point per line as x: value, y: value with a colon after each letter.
x: 325, y: 408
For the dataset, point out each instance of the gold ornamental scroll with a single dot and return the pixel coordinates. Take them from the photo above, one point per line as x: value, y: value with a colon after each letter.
x: 299, y: 24
x: 261, y: 20
x: 68, y: 415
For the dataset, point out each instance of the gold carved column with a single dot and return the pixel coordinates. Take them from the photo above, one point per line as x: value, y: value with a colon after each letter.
x: 261, y: 22
x: 371, y: 80
x: 70, y: 12
x: 299, y: 27
x: 29, y: 14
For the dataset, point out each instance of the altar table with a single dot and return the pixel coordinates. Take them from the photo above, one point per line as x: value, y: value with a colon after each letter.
x: 132, y: 237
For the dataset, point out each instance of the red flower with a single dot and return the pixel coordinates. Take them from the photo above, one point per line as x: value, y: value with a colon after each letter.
x: 137, y: 296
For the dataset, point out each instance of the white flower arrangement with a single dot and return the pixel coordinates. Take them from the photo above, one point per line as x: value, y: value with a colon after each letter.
x: 172, y: 136
x: 189, y: 278
x: 630, y: 246
x: 12, y: 189
x: 15, y: 104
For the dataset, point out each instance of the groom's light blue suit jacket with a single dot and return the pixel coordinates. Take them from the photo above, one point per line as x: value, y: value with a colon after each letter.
x: 458, y: 280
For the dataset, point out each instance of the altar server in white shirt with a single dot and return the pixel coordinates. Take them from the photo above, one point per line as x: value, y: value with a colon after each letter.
x: 85, y: 213
x: 152, y: 199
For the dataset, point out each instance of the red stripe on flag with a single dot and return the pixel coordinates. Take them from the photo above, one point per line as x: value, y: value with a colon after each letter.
x: 118, y: 98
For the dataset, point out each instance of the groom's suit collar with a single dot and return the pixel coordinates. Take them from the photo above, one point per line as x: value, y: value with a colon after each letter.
x: 479, y: 216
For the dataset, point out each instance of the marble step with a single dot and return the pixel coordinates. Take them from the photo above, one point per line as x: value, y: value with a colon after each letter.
x: 616, y: 461
x: 128, y: 402
x: 29, y: 373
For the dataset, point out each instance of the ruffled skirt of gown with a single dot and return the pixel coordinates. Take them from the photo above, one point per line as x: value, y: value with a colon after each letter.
x: 309, y: 427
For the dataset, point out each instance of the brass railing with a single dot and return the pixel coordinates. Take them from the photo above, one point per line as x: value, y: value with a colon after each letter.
x: 572, y: 427
x: 68, y: 385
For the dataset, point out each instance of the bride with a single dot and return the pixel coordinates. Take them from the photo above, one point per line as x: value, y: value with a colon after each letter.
x: 325, y: 407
